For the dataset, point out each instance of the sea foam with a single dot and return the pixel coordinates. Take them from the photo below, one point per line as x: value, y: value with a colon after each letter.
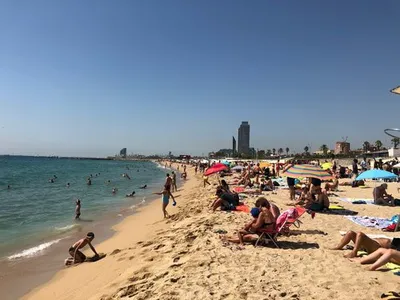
x: 33, y: 251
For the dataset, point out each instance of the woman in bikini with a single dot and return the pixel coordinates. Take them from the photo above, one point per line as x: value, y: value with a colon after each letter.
x: 262, y: 219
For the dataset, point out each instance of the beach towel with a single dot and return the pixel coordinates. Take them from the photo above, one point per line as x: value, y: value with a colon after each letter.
x: 371, y: 222
x: 243, y: 208
x: 333, y: 206
x: 238, y: 189
x: 357, y: 200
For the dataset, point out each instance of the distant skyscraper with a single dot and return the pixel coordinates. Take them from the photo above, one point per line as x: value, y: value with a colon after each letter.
x: 233, y: 146
x: 244, y: 138
x: 122, y: 153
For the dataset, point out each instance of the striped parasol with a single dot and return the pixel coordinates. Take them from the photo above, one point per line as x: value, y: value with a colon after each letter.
x: 310, y: 171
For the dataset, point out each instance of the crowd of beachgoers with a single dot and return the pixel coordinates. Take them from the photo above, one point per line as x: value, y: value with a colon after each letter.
x: 247, y: 230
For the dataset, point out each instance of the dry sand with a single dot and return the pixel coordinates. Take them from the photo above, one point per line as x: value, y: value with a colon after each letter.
x: 182, y: 258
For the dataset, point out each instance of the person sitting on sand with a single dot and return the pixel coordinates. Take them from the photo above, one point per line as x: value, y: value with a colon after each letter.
x: 332, y: 186
x: 305, y: 198
x: 262, y: 218
x: 321, y: 201
x: 225, y: 186
x: 381, y: 197
x: 267, y: 185
x: 77, y: 209
x: 131, y: 194
x: 363, y: 242
x: 166, y: 194
x: 225, y: 200
x: 379, y: 258
x: 78, y: 256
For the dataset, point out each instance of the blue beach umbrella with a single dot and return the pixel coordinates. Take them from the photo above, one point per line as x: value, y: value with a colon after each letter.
x: 226, y: 163
x: 378, y: 174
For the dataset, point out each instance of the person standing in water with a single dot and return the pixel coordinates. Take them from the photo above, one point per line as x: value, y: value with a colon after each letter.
x: 174, y: 187
x: 77, y: 209
x: 166, y: 194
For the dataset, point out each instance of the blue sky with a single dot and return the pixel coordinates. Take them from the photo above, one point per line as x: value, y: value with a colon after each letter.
x: 91, y: 77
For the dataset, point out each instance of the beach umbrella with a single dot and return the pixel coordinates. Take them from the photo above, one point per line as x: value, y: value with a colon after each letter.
x: 376, y: 173
x: 326, y: 166
x: 226, y: 163
x: 264, y: 164
x: 238, y: 168
x: 308, y: 171
x: 215, y: 169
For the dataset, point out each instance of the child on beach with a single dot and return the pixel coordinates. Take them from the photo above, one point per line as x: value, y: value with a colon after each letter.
x: 78, y: 256
x: 78, y: 209
x: 165, y: 201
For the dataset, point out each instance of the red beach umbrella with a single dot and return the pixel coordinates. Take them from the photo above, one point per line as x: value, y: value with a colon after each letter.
x: 215, y: 169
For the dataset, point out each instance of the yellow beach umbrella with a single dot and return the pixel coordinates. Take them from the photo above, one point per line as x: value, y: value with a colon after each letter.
x: 326, y: 166
x: 264, y: 164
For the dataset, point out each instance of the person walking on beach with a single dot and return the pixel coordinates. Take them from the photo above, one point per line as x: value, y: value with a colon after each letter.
x: 77, y: 209
x: 174, y: 187
x: 78, y: 256
x: 166, y: 194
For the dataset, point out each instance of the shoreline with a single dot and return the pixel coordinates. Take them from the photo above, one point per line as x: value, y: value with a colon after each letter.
x: 20, y: 275
x: 150, y: 211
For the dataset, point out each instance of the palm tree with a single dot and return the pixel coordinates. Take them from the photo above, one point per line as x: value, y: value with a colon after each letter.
x: 396, y: 142
x: 366, y: 145
x: 306, y: 149
x: 287, y: 150
x: 378, y: 144
x: 273, y: 151
x: 280, y: 151
x: 269, y: 152
x: 324, y: 149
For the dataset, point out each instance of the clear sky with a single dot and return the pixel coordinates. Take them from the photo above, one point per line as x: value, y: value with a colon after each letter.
x: 91, y: 77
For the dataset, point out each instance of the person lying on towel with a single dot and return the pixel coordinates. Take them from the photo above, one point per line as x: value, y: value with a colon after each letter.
x: 379, y: 258
x: 363, y: 242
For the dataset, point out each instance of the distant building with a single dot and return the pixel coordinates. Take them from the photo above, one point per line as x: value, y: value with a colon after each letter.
x: 122, y: 153
x: 342, y: 148
x: 252, y: 152
x: 244, y: 138
x: 233, y: 146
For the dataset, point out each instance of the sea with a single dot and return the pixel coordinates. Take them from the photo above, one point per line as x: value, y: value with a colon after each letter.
x: 37, y: 210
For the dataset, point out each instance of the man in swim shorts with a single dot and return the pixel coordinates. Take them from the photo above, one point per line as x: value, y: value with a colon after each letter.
x: 77, y: 255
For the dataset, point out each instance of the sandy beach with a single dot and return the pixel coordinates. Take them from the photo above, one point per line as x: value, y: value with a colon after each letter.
x: 183, y: 257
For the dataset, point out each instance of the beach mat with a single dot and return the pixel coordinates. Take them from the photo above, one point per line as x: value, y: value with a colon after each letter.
x: 341, y: 212
x: 243, y: 208
x: 357, y: 200
x: 370, y: 222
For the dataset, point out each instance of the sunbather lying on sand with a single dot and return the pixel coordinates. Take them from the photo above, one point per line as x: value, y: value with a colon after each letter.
x: 363, y: 242
x: 379, y: 258
x: 262, y: 218
x: 332, y: 186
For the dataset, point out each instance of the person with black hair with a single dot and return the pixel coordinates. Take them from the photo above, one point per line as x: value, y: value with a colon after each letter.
x: 74, y: 250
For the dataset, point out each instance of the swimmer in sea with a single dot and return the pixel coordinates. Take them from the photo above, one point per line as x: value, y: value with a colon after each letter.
x: 89, y: 181
x: 68, y: 185
x: 8, y: 187
x: 77, y: 209
x: 114, y: 190
x: 143, y: 187
x: 51, y: 180
x: 131, y: 194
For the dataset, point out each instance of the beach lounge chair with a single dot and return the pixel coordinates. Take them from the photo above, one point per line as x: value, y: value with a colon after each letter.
x: 285, y: 220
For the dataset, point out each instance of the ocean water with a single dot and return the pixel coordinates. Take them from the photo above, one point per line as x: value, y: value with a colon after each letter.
x: 35, y: 214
